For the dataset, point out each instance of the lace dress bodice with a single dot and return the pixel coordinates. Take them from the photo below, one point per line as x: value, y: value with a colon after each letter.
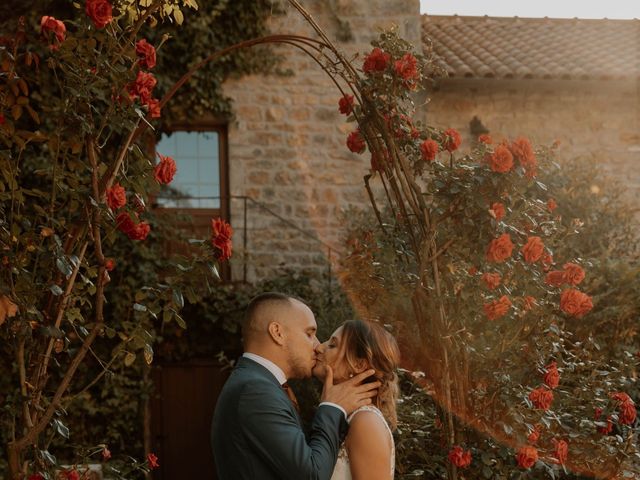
x: 342, y: 470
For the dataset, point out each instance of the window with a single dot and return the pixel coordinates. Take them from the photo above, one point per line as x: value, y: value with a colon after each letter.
x: 199, y: 180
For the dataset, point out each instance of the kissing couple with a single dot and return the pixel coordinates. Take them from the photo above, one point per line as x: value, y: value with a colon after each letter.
x: 257, y: 432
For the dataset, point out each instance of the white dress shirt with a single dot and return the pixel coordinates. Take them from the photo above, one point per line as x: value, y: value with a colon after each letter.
x: 277, y: 372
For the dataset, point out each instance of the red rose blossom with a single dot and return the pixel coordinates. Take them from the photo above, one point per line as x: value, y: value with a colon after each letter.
x: 221, y: 233
x: 153, y: 461
x: 133, y: 230
x: 50, y: 24
x: 575, y: 303
x: 573, y: 274
x: 522, y: 150
x: 491, y: 280
x: 100, y: 12
x: 142, y: 87
x: 376, y: 61
x: 552, y: 375
x: 498, y: 211
x: 35, y: 476
x: 154, y: 107
x: 345, y: 104
x: 146, y: 53
x: 527, y: 456
x: 451, y: 139
x: 497, y: 308
x: 552, y: 205
x: 500, y: 248
x: 110, y: 264
x: 541, y: 397
x: 106, y: 454
x: 485, y: 138
x: 459, y: 457
x: 72, y: 475
x: 355, y: 142
x: 407, y: 69
x: 429, y: 149
x: 501, y: 160
x: 116, y: 197
x: 561, y: 451
x: 528, y: 302
x: 555, y: 278
x: 533, y: 249
x: 604, y: 429
x: 534, y: 435
x: 165, y: 170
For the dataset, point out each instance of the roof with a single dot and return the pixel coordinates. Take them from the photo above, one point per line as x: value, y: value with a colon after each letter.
x: 534, y: 48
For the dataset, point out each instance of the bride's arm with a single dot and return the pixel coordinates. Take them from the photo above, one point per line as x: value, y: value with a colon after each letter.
x: 369, y: 447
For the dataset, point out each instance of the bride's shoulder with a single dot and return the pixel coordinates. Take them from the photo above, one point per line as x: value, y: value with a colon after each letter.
x: 367, y: 423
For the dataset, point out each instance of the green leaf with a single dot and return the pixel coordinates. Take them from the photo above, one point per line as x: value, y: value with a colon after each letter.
x: 129, y: 358
x: 148, y: 354
x: 61, y: 428
x: 139, y: 307
x: 56, y: 290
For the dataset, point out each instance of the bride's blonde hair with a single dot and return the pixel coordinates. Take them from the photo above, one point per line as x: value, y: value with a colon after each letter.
x: 369, y: 342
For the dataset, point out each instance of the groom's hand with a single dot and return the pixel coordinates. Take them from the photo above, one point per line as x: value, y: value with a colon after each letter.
x: 350, y: 394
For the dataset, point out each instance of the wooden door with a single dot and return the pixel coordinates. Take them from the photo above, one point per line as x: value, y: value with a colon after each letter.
x: 182, y: 407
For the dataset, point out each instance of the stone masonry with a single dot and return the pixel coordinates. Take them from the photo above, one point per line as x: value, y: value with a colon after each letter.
x: 287, y: 142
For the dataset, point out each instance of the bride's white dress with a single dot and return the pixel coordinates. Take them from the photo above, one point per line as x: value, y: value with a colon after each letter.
x: 342, y: 471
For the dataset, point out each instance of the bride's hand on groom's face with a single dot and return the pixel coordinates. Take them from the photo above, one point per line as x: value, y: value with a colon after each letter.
x: 350, y: 394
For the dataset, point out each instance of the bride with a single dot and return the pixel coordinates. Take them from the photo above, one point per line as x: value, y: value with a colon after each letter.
x: 368, y: 451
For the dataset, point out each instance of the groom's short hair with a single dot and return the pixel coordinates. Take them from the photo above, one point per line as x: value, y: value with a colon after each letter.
x: 258, y: 306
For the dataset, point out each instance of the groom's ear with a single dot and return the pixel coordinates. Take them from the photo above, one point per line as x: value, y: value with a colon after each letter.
x: 276, y: 332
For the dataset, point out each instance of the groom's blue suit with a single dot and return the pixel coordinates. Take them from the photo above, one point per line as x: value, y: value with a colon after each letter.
x: 256, y: 432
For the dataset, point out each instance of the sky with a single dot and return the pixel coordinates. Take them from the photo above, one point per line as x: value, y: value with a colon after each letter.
x: 614, y: 9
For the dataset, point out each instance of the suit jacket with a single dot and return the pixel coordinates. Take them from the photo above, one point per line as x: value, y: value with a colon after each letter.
x: 257, y: 435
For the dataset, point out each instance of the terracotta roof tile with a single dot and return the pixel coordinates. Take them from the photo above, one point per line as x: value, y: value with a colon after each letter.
x: 524, y: 48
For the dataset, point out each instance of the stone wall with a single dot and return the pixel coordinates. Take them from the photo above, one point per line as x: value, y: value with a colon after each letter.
x: 589, y: 118
x: 287, y: 142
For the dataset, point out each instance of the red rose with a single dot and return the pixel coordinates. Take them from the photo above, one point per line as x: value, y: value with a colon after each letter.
x: 153, y: 461
x: 429, y: 149
x: 355, y: 142
x: 498, y: 211
x: 376, y: 61
x: 527, y: 456
x: 497, y: 308
x: 116, y: 197
x: 407, y: 69
x: 523, y: 152
x: 541, y: 397
x: 627, y: 413
x: 221, y: 233
x: 106, y: 454
x: 472, y: 270
x: 501, y: 160
x: 534, y: 435
x: 621, y: 397
x: 154, y: 107
x: 561, y: 451
x: 528, y: 302
x: 451, y: 140
x: 142, y: 87
x: 485, y: 138
x: 573, y: 274
x: 459, y: 457
x: 575, y: 303
x: 50, y: 24
x: 72, y: 475
x: 133, y: 230
x: 552, y: 205
x: 99, y: 11
x: 165, y: 170
x: 110, y: 264
x: 555, y: 278
x: 345, y: 104
x: 533, y: 249
x: 491, y: 280
x: 36, y: 476
x: 500, y: 248
x: 604, y: 429
x: 146, y: 53
x: 552, y: 375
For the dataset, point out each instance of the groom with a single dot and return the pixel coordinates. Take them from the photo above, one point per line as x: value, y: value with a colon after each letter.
x: 256, y: 432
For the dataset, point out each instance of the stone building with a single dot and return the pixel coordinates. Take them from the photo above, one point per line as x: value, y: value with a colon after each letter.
x: 285, y: 175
